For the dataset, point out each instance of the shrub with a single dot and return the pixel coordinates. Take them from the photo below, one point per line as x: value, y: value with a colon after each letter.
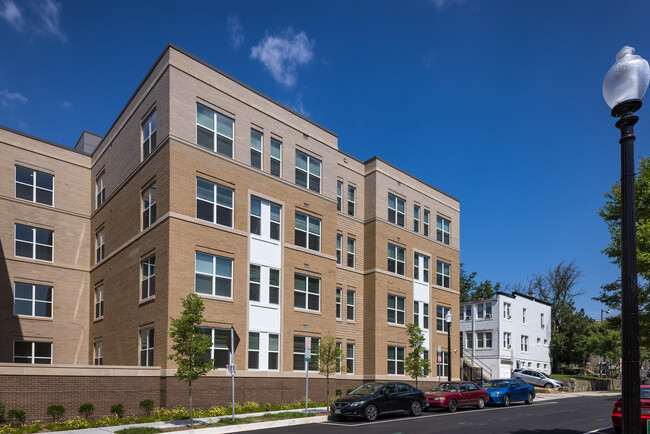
x: 86, y: 410
x: 17, y: 417
x: 3, y: 415
x: 147, y: 406
x: 347, y: 391
x: 117, y: 410
x: 251, y: 407
x: 145, y: 419
x: 56, y: 412
x: 338, y: 392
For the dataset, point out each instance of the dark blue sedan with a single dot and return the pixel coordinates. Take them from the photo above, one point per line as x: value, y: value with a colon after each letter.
x: 509, y: 390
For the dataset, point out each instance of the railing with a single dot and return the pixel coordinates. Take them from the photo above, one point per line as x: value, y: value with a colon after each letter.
x: 474, y: 364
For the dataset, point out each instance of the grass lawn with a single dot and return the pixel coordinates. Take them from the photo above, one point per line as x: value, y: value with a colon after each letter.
x: 139, y: 430
x: 264, y: 418
x: 565, y: 378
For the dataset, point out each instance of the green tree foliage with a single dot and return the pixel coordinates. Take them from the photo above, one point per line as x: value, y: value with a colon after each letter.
x: 55, y: 411
x: 416, y: 365
x: 605, y: 340
x: 190, y: 345
x: 471, y: 290
x: 86, y: 410
x: 329, y: 360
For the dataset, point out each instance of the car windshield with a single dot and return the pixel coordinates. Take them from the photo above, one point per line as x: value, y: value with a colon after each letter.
x: 366, y: 389
x: 645, y: 392
x: 544, y: 375
x: 445, y: 387
x: 496, y: 383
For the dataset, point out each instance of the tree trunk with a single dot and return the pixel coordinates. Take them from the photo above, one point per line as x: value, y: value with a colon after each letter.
x: 328, y: 393
x: 191, y: 409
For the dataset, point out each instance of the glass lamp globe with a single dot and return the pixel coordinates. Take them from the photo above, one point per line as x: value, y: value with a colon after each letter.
x: 448, y: 317
x: 627, y: 79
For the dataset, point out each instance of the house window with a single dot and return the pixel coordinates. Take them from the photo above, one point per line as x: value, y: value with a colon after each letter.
x: 35, y: 353
x: 99, y: 302
x: 488, y: 310
x: 396, y: 309
x: 219, y: 350
x: 99, y: 245
x: 219, y: 139
x: 442, y: 233
x: 299, y: 353
x: 395, y: 210
x: 149, y: 135
x: 441, y: 324
x: 306, y: 294
x: 539, y: 341
x: 467, y: 312
x: 253, y: 350
x: 350, y: 305
x: 213, y: 275
x: 421, y: 267
x: 421, y: 310
x: 274, y: 352
x: 443, y: 274
x: 99, y: 354
x: 339, y: 295
x: 524, y: 343
x: 416, y: 313
x: 339, y: 195
x: 255, y: 283
x: 256, y: 149
x: 352, y: 197
x: 425, y: 224
x: 425, y: 316
x: 274, y: 286
x: 149, y: 206
x: 214, y: 202
x: 276, y: 157
x: 148, y: 277
x: 349, y: 358
x: 523, y: 315
x: 416, y: 218
x: 265, y: 218
x: 100, y: 191
x: 32, y: 300
x: 545, y: 342
x: 469, y: 340
x: 483, y: 339
x: 541, y: 321
x: 506, y: 310
x: 351, y: 243
x: 34, y: 243
x: 479, y: 311
x: 307, y: 232
x: 507, y: 337
x: 34, y: 186
x: 146, y: 347
x: 396, y: 259
x: 339, y: 247
x: 443, y: 366
x: 338, y: 356
x: 395, y: 360
x: 308, y: 171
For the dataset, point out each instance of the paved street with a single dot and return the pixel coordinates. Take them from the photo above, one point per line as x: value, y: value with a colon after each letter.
x: 583, y: 414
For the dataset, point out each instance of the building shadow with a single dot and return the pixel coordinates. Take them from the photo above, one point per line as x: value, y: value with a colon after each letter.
x: 9, y: 324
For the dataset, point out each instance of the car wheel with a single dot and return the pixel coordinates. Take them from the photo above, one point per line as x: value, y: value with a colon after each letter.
x: 548, y: 386
x: 481, y: 403
x: 453, y: 405
x: 506, y: 400
x: 371, y: 413
x: 530, y: 398
x: 416, y: 408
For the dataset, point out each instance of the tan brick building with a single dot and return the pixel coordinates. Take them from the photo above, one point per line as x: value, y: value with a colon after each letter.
x: 205, y: 185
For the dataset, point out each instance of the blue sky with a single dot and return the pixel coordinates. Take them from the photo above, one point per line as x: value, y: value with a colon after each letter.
x: 498, y: 103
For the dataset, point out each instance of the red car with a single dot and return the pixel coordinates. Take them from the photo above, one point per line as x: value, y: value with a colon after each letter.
x: 645, y: 410
x: 454, y: 394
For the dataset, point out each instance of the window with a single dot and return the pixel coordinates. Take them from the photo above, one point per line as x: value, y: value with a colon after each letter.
x: 274, y: 286
x: 149, y: 135
x: 339, y: 247
x: 524, y: 343
x: 443, y: 366
x: 421, y: 310
x: 421, y: 267
x: 306, y: 294
x: 276, y: 156
x: 299, y: 353
x: 99, y: 354
x: 395, y: 210
x: 34, y: 186
x: 352, y: 193
x: 523, y: 315
x: 488, y: 310
x: 307, y: 233
x: 146, y: 347
x: 426, y: 223
x: 34, y: 243
x: 253, y: 350
x: 545, y: 342
x: 479, y: 311
x: 467, y: 312
x: 425, y: 316
x: 265, y: 218
x: 149, y: 206
x: 307, y: 171
x: 507, y: 337
x: 396, y: 259
x: 469, y: 340
x: 338, y: 357
x: 395, y: 360
x: 541, y: 320
x: 416, y: 218
x: 339, y: 295
x: 484, y: 310
x: 539, y: 341
x: 219, y: 139
x: 350, y: 305
x: 100, y: 191
x: 351, y: 243
x: 213, y: 275
x: 442, y: 233
x: 443, y: 274
x: 214, y: 202
x: 506, y: 311
x: 219, y: 350
x: 483, y: 339
x: 416, y: 313
x: 148, y: 277
x: 35, y: 353
x: 99, y: 302
x: 396, y: 309
x: 349, y: 358
x: 255, y: 283
x: 256, y: 149
x: 99, y: 245
x: 339, y: 195
x: 32, y: 300
x: 441, y: 324
x: 274, y: 352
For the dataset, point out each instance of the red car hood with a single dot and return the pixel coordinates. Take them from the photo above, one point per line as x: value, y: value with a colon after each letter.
x: 437, y: 394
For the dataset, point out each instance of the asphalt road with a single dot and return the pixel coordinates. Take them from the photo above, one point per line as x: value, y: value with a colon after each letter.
x: 565, y: 415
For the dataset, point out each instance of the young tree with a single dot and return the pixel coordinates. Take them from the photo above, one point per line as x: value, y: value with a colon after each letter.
x: 416, y: 364
x: 329, y: 360
x: 190, y: 345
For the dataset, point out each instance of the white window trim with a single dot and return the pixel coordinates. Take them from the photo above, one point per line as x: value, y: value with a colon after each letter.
x: 149, y: 346
x: 279, y: 160
x: 393, y: 357
x: 352, y: 202
x: 396, y: 209
x: 308, y: 172
x: 351, y: 253
x: 214, y: 275
x: 396, y: 249
x: 308, y: 232
x: 306, y: 292
x: 260, y: 151
x: 215, y: 133
x: 149, y: 195
x: 32, y: 185
x: 147, y: 262
x: 215, y: 203
x: 32, y: 242
x: 33, y: 353
x: 33, y: 301
x: 99, y: 302
x: 396, y: 309
x: 348, y: 305
x: 348, y: 358
x: 147, y: 137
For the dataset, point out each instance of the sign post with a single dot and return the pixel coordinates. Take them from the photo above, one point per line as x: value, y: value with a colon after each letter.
x: 439, y: 361
x: 307, y: 360
x: 232, y: 342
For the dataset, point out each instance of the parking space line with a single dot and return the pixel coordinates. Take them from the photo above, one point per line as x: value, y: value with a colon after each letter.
x: 599, y: 430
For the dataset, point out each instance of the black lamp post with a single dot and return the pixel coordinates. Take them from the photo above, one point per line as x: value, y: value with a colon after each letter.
x: 623, y: 88
x: 601, y: 359
x: 601, y: 313
x: 448, y: 319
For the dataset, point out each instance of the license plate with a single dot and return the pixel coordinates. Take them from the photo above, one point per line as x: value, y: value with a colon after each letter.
x: 337, y: 411
x: 645, y: 410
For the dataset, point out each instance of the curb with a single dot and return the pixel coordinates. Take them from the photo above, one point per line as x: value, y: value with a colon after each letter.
x: 258, y: 425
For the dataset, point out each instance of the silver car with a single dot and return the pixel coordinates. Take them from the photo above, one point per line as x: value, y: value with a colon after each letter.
x: 537, y: 378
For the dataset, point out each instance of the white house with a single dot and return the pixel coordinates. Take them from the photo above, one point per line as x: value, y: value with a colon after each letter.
x: 506, y: 332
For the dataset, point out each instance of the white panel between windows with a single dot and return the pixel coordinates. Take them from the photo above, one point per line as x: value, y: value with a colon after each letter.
x: 266, y: 318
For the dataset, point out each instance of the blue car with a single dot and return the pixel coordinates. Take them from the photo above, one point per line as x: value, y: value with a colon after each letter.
x: 509, y: 390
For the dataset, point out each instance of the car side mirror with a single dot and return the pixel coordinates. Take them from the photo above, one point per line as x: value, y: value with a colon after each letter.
x: 386, y: 392
x: 512, y: 386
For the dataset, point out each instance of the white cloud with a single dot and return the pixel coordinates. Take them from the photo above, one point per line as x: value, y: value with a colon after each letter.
x: 10, y: 98
x: 65, y: 105
x: 298, y: 106
x: 9, y: 11
x: 282, y: 54
x: 236, y: 35
x: 40, y: 17
x: 441, y: 3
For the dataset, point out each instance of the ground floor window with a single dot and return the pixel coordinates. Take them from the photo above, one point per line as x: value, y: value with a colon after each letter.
x: 396, y: 360
x: 299, y: 353
x: 218, y: 351
x: 443, y: 366
x: 33, y: 352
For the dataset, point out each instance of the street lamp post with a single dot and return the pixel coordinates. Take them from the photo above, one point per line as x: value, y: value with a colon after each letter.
x: 601, y: 314
x: 623, y: 89
x: 601, y: 359
x: 448, y: 318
